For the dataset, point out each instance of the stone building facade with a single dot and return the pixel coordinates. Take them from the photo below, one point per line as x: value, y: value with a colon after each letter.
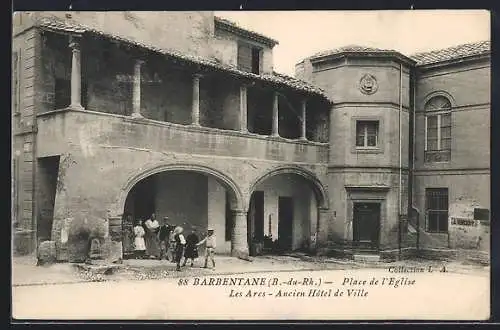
x: 116, y: 116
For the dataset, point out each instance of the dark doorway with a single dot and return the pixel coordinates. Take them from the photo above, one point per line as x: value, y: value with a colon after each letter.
x: 285, y: 223
x: 255, y: 220
x: 48, y: 170
x: 366, y: 225
x: 144, y: 203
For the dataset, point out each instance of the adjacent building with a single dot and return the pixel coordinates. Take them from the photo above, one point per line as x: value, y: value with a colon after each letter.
x: 119, y: 115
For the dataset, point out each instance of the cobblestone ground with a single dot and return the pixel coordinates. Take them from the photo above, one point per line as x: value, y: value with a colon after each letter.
x: 25, y: 271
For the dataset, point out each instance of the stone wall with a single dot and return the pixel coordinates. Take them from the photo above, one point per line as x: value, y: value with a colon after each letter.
x: 99, y: 156
x: 187, y: 32
x: 225, y: 47
x: 25, y: 97
x: 467, y: 174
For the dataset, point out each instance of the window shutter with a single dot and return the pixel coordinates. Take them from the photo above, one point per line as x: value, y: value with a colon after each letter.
x: 245, y: 58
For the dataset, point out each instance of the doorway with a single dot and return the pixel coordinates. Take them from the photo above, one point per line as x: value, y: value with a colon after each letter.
x: 255, y: 220
x: 48, y: 170
x: 366, y: 225
x: 285, y: 223
x: 144, y: 205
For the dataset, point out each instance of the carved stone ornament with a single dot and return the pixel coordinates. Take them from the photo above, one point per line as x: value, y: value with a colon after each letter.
x: 368, y: 84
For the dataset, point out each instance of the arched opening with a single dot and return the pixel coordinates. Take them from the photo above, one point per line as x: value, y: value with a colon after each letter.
x: 192, y: 198
x: 283, y: 212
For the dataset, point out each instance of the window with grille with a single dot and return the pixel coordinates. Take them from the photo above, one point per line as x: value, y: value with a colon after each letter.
x: 438, y: 130
x: 367, y: 133
x: 249, y: 58
x: 436, y: 204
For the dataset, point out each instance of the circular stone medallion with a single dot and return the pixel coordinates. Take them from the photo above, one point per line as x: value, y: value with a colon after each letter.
x: 368, y: 84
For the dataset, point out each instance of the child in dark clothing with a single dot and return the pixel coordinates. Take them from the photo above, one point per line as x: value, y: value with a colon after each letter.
x: 191, y: 251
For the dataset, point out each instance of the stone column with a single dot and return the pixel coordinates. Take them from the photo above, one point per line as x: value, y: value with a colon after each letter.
x: 116, y: 234
x: 239, y: 240
x: 76, y: 75
x: 275, y: 114
x: 136, y: 113
x: 303, y: 122
x: 243, y: 109
x: 195, y: 110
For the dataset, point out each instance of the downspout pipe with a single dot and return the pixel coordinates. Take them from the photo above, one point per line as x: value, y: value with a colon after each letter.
x: 400, y: 158
x: 411, y: 152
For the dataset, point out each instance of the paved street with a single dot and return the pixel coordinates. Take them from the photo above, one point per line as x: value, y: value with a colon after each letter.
x: 416, y: 296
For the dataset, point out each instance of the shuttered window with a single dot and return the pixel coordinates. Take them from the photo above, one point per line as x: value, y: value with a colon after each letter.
x: 15, y: 81
x: 436, y: 200
x: 249, y: 58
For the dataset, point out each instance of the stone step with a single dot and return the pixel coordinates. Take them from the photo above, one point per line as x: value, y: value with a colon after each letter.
x: 366, y: 257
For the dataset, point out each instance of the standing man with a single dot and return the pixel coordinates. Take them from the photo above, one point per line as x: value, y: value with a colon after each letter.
x: 171, y: 244
x: 163, y: 237
x: 209, y: 240
x: 180, y: 243
x: 151, y: 237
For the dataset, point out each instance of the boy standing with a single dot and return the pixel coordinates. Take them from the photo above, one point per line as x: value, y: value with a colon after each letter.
x: 209, y: 241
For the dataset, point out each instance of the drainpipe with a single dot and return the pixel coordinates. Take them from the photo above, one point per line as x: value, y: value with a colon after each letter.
x: 400, y: 156
x: 411, y: 152
x: 34, y: 162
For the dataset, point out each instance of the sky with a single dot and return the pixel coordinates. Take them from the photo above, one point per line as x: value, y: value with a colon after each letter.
x: 303, y: 33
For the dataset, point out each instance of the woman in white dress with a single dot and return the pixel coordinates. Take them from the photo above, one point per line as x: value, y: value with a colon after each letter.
x: 139, y: 244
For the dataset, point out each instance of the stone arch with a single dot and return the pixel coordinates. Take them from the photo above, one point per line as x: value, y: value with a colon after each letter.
x: 237, y: 200
x: 318, y: 188
x: 439, y: 93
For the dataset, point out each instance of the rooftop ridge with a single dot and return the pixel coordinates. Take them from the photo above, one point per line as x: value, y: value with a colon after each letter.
x: 233, y: 25
x: 452, y: 52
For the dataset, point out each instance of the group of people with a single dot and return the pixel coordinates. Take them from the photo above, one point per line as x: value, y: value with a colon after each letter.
x: 165, y: 240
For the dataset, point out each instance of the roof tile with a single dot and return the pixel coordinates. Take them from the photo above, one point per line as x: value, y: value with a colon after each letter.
x: 451, y: 53
x: 350, y: 49
x: 245, y: 31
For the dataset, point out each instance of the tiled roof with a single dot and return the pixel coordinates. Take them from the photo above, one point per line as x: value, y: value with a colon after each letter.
x: 232, y: 26
x: 353, y: 49
x: 55, y: 24
x: 451, y: 53
x: 350, y: 49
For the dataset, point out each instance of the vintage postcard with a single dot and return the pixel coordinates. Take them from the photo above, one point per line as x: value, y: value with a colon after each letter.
x: 294, y: 165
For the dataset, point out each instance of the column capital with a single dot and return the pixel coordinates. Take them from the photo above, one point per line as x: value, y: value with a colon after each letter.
x: 197, y: 76
x: 139, y: 61
x: 247, y: 84
x: 74, y: 43
x: 239, y: 212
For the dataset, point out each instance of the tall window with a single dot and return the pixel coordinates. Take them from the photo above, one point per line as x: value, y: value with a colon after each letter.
x: 438, y: 130
x: 367, y: 133
x: 436, y: 205
x: 249, y: 58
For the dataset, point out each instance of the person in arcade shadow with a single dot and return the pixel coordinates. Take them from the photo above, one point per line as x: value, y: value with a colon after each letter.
x: 209, y: 241
x: 163, y: 237
x: 180, y: 243
x: 191, y: 248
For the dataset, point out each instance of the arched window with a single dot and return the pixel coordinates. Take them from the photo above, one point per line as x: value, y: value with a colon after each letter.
x: 438, y: 129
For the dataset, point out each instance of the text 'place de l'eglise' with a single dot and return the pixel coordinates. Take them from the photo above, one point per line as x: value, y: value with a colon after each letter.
x: 118, y: 115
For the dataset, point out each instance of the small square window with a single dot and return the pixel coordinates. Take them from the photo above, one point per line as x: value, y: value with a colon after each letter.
x: 367, y: 133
